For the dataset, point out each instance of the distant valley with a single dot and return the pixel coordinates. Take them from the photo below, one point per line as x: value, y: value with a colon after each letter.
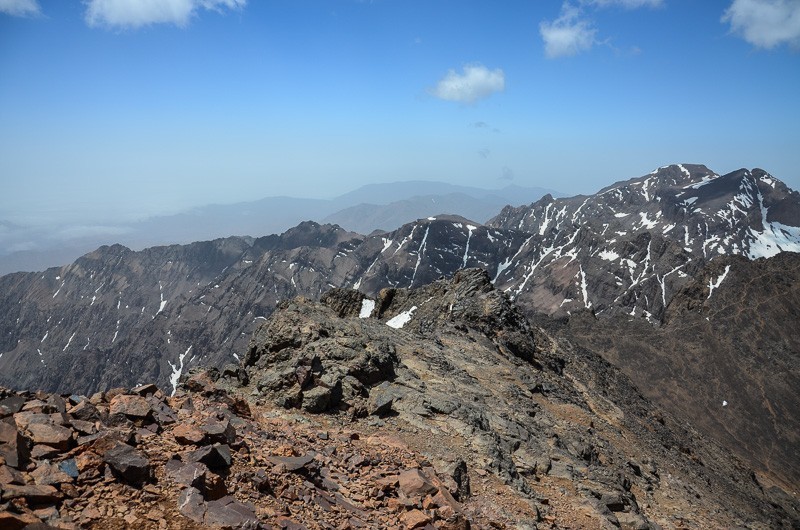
x: 372, y: 207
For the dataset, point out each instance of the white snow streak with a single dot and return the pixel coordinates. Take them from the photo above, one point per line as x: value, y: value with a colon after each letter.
x: 714, y: 284
x: 470, y: 229
x: 402, y: 319
x: 176, y: 371
x: 586, y: 301
x: 420, y: 252
x: 68, y: 342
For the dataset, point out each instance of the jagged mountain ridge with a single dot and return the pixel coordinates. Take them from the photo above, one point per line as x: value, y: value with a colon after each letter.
x: 552, y: 257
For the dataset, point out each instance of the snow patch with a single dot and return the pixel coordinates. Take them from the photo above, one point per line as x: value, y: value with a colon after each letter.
x: 367, y: 306
x: 608, y: 255
x: 402, y: 319
x: 646, y: 222
x: 621, y: 214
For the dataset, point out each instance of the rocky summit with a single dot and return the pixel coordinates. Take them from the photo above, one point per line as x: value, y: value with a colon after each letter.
x: 438, y: 407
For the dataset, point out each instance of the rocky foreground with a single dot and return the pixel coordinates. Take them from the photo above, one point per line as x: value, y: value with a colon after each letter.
x: 440, y: 407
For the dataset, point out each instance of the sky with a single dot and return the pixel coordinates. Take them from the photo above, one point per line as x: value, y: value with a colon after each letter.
x: 121, y: 109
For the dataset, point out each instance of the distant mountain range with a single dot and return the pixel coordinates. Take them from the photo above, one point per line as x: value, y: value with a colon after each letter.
x: 657, y: 259
x: 373, y: 207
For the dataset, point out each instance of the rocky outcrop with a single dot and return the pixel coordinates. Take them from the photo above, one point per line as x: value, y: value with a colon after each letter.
x: 453, y: 380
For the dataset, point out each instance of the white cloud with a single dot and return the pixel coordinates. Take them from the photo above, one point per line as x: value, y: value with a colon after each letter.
x: 476, y: 82
x: 137, y: 13
x: 765, y: 23
x: 20, y: 8
x: 567, y: 35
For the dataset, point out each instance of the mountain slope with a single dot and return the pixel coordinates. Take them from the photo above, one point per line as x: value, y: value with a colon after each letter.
x: 726, y: 358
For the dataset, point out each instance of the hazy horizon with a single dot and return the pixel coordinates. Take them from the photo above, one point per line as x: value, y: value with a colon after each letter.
x: 117, y: 109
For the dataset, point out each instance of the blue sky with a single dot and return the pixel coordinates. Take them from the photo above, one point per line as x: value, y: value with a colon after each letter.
x: 126, y: 108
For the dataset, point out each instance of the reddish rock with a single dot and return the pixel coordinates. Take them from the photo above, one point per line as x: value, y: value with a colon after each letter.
x: 48, y: 474
x: 145, y: 390
x: 9, y: 475
x: 55, y: 436
x: 85, y: 411
x: 414, y: 519
x: 414, y: 483
x: 32, y: 493
x: 188, y: 434
x: 16, y: 521
x: 134, y: 407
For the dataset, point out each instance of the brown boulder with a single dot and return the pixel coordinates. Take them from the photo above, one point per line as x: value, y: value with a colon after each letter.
x: 134, y: 407
x: 414, y: 519
x: 188, y: 435
x: 414, y: 483
x: 55, y: 436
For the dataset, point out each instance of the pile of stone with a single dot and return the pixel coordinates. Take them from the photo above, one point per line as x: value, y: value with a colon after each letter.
x: 203, y: 459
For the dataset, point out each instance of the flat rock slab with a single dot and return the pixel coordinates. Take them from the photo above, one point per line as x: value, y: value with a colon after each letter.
x: 128, y: 463
x: 188, y: 435
x: 414, y: 483
x: 215, y: 456
x: 293, y: 463
x: 55, y: 436
x: 132, y: 406
x: 32, y: 493
x: 227, y: 512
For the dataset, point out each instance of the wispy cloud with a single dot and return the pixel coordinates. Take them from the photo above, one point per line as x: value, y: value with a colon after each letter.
x: 20, y: 8
x: 765, y: 23
x: 138, y: 13
x: 474, y: 83
x: 574, y: 31
x: 569, y: 34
